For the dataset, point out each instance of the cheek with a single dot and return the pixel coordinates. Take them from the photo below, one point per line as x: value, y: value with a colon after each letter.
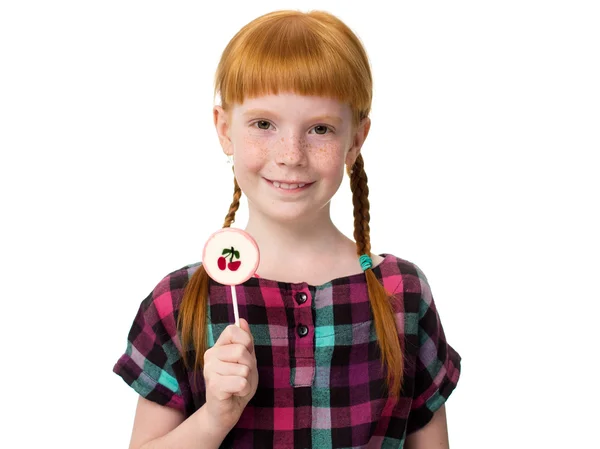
x: 251, y: 153
x: 328, y: 157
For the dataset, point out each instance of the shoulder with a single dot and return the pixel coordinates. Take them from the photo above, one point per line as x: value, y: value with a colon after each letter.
x: 163, y: 302
x: 400, y: 274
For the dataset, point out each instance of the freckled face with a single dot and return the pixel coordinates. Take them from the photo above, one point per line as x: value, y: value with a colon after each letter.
x: 290, y: 152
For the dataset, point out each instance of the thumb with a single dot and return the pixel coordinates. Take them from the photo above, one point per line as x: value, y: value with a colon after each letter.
x: 246, y: 327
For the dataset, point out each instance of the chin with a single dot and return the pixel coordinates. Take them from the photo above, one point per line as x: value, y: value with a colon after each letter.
x: 289, y: 215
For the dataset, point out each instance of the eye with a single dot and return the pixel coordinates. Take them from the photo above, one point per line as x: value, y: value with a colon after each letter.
x: 263, y: 124
x: 321, y: 129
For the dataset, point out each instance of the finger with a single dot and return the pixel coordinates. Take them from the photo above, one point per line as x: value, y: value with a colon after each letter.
x: 225, y: 386
x: 230, y: 369
x: 245, y: 388
x: 234, y: 353
x: 233, y: 334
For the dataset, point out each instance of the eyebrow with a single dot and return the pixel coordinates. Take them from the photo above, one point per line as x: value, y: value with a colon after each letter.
x: 264, y: 112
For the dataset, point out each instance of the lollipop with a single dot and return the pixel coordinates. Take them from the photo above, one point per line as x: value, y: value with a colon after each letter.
x: 231, y: 257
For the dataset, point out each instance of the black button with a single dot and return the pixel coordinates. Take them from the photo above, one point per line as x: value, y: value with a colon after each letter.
x: 301, y: 297
x: 302, y: 330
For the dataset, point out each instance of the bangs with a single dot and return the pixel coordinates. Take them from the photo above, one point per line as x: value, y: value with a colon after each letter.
x: 294, y: 52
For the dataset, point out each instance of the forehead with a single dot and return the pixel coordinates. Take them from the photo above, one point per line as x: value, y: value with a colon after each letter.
x: 294, y: 105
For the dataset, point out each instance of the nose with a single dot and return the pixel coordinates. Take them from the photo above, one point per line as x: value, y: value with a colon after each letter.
x: 291, y: 151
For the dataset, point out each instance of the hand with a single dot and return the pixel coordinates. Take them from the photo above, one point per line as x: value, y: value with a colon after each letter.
x: 230, y: 375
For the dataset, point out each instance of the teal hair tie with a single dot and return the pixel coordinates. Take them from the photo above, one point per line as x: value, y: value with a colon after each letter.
x: 365, y: 262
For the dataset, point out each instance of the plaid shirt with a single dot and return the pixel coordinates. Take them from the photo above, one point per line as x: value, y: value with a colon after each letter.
x: 320, y: 381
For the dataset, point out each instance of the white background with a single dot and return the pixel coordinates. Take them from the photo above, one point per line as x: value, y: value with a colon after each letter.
x: 482, y: 167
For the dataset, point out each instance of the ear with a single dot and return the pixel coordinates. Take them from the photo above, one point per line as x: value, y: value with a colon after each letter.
x: 359, y: 136
x: 221, y: 120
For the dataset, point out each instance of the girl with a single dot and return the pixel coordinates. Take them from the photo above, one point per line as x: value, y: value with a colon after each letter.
x: 337, y: 347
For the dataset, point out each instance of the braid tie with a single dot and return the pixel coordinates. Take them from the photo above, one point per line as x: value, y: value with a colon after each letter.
x: 365, y: 262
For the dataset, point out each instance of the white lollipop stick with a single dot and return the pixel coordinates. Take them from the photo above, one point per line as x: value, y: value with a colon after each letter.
x: 235, y: 306
x: 231, y: 257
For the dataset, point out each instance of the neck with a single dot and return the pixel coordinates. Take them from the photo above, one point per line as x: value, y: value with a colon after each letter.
x: 279, y: 237
x: 299, y: 250
x: 298, y: 242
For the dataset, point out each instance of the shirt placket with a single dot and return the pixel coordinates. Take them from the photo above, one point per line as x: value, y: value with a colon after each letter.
x: 302, y: 340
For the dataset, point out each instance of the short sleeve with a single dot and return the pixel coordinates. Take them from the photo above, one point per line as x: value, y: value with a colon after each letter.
x: 437, y: 366
x: 152, y: 351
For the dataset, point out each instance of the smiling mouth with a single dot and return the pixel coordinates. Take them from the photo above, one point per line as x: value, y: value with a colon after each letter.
x: 292, y: 186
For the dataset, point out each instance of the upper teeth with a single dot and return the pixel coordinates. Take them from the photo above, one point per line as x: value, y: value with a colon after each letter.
x: 287, y: 186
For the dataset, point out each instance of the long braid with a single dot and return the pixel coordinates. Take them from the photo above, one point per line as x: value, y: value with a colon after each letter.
x: 235, y: 204
x: 194, y: 307
x: 360, y: 200
x: 380, y: 299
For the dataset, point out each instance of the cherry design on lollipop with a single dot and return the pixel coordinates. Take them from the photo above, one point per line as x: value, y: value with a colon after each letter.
x: 233, y: 266
x: 222, y: 260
